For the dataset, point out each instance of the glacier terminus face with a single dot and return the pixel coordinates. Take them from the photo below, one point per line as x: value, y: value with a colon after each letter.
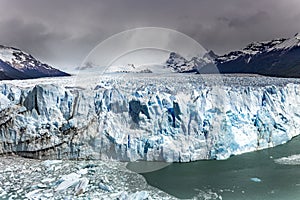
x: 178, y: 118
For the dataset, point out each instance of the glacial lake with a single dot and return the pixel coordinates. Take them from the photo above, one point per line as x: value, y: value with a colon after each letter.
x: 251, y: 176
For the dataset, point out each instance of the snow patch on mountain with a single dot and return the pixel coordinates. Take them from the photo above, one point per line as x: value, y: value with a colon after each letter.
x: 288, y: 43
x: 6, y: 54
x: 175, y: 63
x: 250, y: 51
x: 256, y: 48
x: 19, y: 59
x: 182, y: 65
x: 21, y: 65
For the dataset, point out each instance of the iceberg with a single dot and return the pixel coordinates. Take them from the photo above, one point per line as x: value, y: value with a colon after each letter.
x: 289, y: 160
x: 257, y: 180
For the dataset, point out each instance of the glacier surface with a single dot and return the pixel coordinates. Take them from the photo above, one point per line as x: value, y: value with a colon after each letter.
x: 178, y: 118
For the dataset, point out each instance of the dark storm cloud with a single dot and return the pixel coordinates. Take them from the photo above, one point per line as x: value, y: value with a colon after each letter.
x: 62, y: 32
x: 30, y: 36
x: 244, y: 21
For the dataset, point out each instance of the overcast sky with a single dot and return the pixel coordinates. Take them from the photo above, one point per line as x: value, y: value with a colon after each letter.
x: 62, y: 32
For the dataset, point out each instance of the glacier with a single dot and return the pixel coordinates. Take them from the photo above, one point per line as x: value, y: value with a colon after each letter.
x: 178, y: 118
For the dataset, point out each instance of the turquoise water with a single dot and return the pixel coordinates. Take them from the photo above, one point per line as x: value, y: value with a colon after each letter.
x: 249, y: 176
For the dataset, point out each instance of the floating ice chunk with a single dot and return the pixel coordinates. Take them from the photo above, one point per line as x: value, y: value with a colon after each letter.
x: 47, y: 180
x: 41, y: 186
x: 71, y: 176
x: 209, y: 194
x: 290, y: 160
x: 66, y: 184
x: 257, y: 180
x: 48, y: 195
x: 122, y: 195
x: 81, y: 186
x: 104, y: 180
x: 34, y: 194
x: 18, y: 191
x: 139, y: 195
x: 68, y: 181
x: 2, y: 192
x: 48, y: 163
x: 105, y: 187
x: 83, y: 171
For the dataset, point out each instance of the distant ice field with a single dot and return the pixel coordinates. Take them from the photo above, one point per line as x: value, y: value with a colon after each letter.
x: 91, y: 79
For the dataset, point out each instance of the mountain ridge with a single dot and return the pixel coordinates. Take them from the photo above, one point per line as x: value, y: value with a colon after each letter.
x: 278, y: 57
x: 17, y: 64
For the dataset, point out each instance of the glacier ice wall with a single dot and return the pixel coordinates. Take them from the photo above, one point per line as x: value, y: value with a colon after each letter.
x: 133, y: 121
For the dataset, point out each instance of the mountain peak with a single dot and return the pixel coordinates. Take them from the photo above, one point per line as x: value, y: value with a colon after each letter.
x: 278, y: 57
x: 288, y: 43
x: 16, y: 64
x: 180, y: 64
x: 212, y: 54
x: 297, y: 36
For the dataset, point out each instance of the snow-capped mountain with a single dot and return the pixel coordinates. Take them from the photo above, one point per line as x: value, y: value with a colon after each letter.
x: 250, y: 50
x: 174, y: 63
x: 182, y: 65
x: 16, y: 64
x: 279, y: 57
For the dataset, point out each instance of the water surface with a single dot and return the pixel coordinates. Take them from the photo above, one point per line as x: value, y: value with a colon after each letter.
x: 249, y: 176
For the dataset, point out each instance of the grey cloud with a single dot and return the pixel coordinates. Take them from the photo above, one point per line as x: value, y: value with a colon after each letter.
x: 245, y: 21
x: 31, y: 37
x: 62, y: 32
